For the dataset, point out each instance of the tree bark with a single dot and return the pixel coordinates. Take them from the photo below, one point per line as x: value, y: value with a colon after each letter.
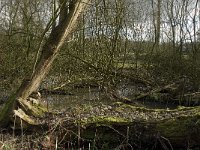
x: 129, y: 127
x: 158, y: 23
x: 178, y: 133
x: 49, y: 52
x: 164, y: 129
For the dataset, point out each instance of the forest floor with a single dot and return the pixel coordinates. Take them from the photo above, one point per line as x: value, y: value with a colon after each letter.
x: 116, y: 111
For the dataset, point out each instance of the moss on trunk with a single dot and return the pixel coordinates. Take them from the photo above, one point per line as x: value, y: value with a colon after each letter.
x: 7, y: 110
x: 24, y: 109
x: 177, y: 131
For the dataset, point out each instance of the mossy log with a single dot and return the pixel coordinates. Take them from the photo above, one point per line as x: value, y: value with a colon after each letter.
x: 162, y: 129
x: 180, y: 132
x: 29, y: 111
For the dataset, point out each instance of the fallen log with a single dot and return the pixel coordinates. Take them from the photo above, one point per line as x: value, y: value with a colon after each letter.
x: 129, y: 127
x: 171, y: 88
x: 120, y: 126
x: 55, y: 92
x: 156, y: 94
x: 169, y: 94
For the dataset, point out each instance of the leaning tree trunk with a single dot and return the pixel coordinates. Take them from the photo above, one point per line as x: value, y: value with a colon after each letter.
x: 49, y: 52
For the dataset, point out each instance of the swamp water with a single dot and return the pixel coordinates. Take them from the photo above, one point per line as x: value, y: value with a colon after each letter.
x: 94, y: 96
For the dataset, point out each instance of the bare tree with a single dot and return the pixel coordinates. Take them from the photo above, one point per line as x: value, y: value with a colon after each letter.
x: 158, y: 23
